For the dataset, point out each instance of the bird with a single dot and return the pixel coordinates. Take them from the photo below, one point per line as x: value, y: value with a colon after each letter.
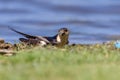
x: 59, y: 40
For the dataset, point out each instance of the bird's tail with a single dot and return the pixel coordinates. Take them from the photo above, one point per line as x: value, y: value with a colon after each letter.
x: 25, y: 35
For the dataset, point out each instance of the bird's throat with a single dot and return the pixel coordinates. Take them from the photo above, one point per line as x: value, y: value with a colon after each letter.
x: 58, y: 39
x: 61, y: 40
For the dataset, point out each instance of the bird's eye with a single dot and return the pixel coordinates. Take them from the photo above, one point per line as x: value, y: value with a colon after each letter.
x: 66, y: 30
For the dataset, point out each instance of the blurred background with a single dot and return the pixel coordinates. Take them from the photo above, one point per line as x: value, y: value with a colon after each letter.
x: 89, y: 21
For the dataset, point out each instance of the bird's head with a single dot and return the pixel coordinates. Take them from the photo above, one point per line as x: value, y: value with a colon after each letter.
x: 63, y: 32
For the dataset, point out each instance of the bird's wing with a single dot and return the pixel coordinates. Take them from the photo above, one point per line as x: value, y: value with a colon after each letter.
x: 43, y: 39
x: 53, y: 39
x: 30, y: 36
x: 25, y: 35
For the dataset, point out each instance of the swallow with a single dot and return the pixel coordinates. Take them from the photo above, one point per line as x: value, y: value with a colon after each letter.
x: 59, y: 40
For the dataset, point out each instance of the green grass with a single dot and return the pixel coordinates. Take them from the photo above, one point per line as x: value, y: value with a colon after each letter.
x: 74, y: 63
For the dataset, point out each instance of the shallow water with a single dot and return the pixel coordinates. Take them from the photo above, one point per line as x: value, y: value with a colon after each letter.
x: 89, y: 21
